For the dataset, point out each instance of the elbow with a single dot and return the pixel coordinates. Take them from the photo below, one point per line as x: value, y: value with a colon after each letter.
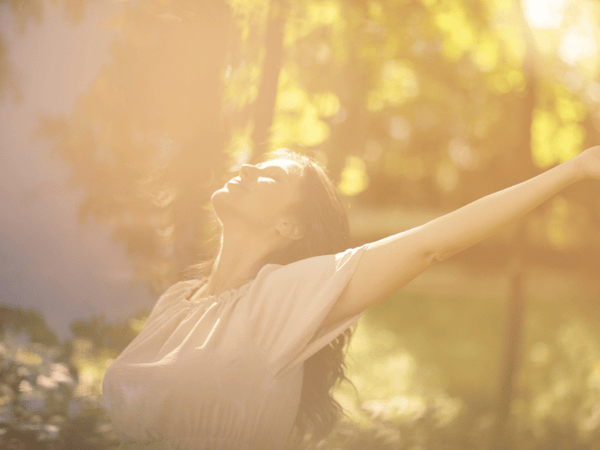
x: 442, y: 254
x: 429, y: 245
x: 435, y: 257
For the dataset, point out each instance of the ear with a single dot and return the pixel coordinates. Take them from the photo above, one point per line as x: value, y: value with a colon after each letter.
x: 290, y: 228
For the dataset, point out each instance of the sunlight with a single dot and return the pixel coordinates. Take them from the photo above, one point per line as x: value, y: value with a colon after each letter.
x: 545, y: 13
x: 576, y: 38
x: 354, y: 176
x: 576, y: 45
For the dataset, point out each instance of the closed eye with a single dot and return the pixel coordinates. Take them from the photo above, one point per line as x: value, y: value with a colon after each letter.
x: 275, y: 174
x: 272, y: 171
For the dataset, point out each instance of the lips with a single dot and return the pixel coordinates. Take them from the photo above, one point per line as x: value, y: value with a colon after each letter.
x: 238, y: 182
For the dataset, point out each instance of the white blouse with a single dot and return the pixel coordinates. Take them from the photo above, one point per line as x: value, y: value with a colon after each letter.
x: 225, y: 372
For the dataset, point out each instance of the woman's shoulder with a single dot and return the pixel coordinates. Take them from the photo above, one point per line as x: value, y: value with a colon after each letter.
x: 313, y: 264
x: 313, y: 271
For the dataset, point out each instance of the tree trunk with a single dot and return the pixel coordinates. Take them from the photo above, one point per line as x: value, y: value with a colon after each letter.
x: 523, y: 168
x: 348, y: 136
x: 501, y: 439
x: 264, y: 108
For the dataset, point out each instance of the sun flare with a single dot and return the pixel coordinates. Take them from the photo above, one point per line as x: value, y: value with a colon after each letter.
x: 547, y: 14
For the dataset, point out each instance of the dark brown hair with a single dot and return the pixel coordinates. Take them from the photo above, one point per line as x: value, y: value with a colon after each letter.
x: 326, y: 230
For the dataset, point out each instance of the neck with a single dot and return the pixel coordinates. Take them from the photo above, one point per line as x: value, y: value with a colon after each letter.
x: 239, y: 259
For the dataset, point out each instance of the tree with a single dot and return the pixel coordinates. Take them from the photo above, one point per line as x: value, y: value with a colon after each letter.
x: 146, y: 140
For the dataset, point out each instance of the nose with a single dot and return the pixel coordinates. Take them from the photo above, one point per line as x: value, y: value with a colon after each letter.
x: 248, y: 171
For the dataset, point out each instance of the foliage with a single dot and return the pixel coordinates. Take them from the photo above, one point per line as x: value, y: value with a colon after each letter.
x: 50, y: 398
x: 102, y: 334
x: 51, y: 393
x: 13, y: 320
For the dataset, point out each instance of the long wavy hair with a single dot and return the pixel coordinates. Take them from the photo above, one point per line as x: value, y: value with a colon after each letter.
x: 324, y: 221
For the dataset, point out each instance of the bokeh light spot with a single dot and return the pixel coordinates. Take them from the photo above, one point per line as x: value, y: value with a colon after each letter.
x: 354, y: 177
x: 546, y: 14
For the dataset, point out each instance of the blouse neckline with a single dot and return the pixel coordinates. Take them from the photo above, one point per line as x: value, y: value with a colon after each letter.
x: 229, y: 294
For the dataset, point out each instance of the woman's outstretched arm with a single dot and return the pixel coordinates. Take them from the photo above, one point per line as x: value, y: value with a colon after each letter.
x: 460, y: 229
x: 390, y: 263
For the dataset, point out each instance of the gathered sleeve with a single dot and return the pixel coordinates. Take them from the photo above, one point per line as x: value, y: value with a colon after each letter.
x: 287, y: 305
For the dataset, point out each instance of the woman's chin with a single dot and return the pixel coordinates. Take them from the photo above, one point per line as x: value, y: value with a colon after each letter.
x: 222, y: 201
x: 220, y: 195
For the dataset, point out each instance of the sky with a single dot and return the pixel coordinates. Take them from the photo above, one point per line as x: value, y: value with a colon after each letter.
x: 48, y: 261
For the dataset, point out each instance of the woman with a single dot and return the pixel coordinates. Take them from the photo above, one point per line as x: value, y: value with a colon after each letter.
x: 248, y: 354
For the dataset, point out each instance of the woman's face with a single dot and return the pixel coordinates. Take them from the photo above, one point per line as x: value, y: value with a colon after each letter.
x: 261, y: 195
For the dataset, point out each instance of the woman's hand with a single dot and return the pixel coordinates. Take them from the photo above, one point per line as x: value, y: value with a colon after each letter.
x: 588, y: 163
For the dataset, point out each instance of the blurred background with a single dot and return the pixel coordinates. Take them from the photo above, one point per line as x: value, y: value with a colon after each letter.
x: 118, y: 119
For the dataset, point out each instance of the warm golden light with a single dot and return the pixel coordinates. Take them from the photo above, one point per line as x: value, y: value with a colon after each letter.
x: 577, y: 43
x: 575, y: 36
x: 416, y: 110
x: 546, y: 14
